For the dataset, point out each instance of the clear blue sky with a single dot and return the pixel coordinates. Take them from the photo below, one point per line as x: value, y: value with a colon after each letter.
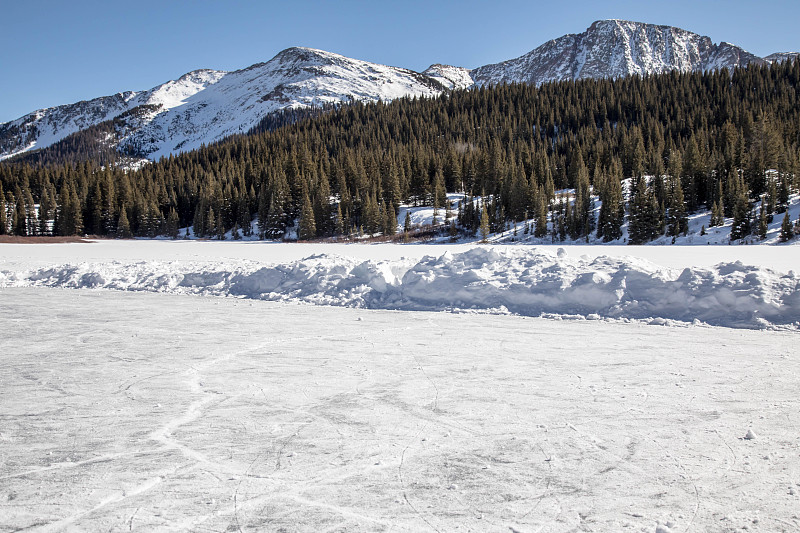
x: 59, y: 52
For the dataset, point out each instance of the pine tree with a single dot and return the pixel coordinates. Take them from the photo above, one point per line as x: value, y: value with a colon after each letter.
x: 45, y: 210
x: 612, y: 210
x: 307, y: 229
x: 540, y: 230
x: 263, y: 212
x: 643, y: 215
x: 717, y: 216
x: 339, y: 223
x: 172, y: 224
x: 741, y: 216
x: 676, y: 220
x: 220, y: 226
x: 198, y: 222
x: 20, y: 227
x: 123, y: 226
x: 787, y: 231
x: 389, y: 219
x: 3, y: 216
x: 484, y: 225
x: 762, y: 222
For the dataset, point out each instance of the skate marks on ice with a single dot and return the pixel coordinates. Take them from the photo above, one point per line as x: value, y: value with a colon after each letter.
x: 127, y: 412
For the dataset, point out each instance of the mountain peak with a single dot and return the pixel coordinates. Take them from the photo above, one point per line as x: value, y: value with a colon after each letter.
x: 450, y: 76
x: 205, y: 105
x: 615, y: 48
x: 303, y: 53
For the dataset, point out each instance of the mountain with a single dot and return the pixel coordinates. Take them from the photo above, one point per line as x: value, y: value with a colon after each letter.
x: 781, y: 56
x: 613, y: 49
x: 208, y: 105
x: 205, y: 106
x: 449, y: 76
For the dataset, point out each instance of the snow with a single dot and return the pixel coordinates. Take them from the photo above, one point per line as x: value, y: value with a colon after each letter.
x: 612, y: 49
x: 699, y: 232
x: 205, y: 105
x: 190, y: 413
x: 450, y: 76
x: 527, y: 281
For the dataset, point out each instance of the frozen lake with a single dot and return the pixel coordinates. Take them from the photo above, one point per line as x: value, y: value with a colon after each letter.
x: 142, y: 411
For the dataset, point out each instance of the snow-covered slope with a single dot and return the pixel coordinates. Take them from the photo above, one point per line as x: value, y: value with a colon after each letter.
x: 781, y: 56
x: 206, y: 105
x: 450, y: 76
x: 48, y: 126
x: 612, y: 49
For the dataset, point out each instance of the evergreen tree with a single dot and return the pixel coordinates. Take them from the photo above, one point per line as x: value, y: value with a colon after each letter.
x: 540, y: 229
x: 741, y: 216
x: 787, y: 231
x: 123, y: 230
x: 484, y: 225
x: 339, y: 223
x: 307, y: 229
x: 762, y: 222
x: 389, y: 219
x: 612, y: 209
x: 676, y: 220
x: 643, y: 214
x: 19, y: 226
x: 3, y: 216
x: 173, y: 224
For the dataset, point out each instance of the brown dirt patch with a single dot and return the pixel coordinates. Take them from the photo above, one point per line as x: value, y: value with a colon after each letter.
x: 15, y: 239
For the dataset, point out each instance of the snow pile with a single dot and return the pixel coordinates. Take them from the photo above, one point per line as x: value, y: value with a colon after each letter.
x: 528, y: 281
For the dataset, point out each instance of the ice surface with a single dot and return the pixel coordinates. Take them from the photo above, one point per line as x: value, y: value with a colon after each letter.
x: 159, y: 412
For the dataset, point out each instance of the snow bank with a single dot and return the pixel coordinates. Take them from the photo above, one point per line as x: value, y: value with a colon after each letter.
x: 525, y: 281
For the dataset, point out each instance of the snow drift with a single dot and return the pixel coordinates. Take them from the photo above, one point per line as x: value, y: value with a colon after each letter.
x: 528, y: 282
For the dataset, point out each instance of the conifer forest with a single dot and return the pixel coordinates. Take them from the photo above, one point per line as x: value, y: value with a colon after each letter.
x: 649, y: 151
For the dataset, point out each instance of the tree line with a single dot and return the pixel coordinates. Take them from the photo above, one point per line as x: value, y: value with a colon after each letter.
x: 652, y: 149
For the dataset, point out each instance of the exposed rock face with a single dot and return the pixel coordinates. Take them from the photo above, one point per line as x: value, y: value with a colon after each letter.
x: 613, y: 49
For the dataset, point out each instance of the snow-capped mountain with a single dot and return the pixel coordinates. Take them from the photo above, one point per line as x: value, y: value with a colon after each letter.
x: 207, y: 105
x: 613, y: 49
x: 48, y: 126
x: 781, y: 56
x: 450, y: 76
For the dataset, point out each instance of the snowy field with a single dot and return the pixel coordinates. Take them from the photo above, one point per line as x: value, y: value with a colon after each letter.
x: 183, y: 401
x: 758, y: 292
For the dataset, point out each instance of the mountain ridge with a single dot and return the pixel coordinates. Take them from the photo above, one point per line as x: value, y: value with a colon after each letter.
x: 206, y: 105
x: 615, y: 48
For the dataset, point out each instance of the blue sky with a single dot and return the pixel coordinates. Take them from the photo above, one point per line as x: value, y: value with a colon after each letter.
x: 56, y: 52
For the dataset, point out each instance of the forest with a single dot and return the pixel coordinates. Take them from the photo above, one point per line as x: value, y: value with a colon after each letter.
x: 649, y: 150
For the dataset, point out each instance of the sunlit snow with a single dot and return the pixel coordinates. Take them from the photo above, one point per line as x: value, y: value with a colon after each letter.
x: 216, y: 410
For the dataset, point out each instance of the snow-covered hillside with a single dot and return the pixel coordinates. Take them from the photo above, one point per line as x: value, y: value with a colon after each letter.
x: 205, y: 106
x: 48, y: 126
x: 781, y: 56
x: 613, y: 49
x: 450, y: 76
